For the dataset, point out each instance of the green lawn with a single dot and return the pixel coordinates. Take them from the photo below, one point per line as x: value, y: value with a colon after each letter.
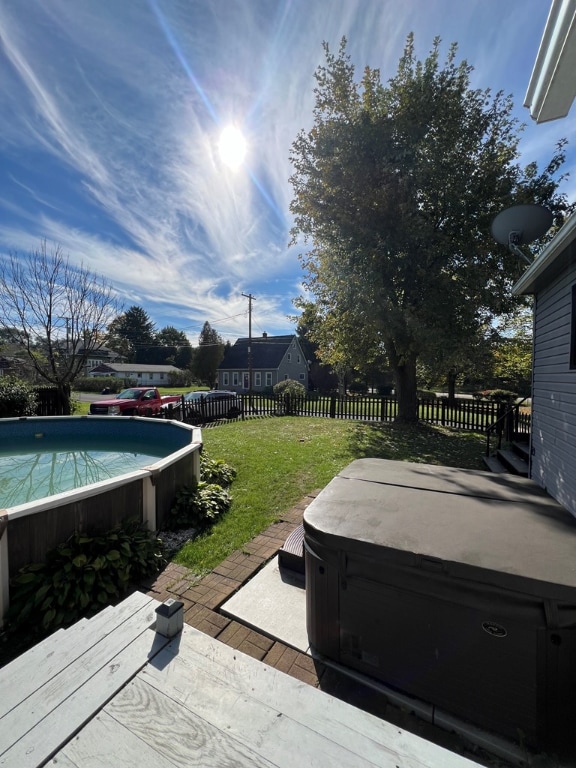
x: 280, y: 460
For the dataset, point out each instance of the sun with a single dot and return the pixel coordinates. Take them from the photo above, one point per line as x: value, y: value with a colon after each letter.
x: 232, y: 147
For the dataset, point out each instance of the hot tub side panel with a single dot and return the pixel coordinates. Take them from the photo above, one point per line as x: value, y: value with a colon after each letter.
x: 503, y: 659
x: 31, y: 536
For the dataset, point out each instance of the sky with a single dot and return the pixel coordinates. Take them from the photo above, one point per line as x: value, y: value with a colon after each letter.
x: 112, y: 114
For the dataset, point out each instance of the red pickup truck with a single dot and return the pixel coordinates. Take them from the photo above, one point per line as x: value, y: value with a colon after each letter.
x: 135, y: 401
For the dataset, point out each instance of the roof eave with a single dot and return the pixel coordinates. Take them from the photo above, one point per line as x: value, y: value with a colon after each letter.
x: 546, y: 261
x: 552, y: 86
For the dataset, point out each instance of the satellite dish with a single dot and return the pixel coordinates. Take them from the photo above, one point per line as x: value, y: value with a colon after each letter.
x: 520, y: 225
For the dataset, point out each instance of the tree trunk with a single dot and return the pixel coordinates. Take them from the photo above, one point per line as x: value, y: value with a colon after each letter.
x: 405, y: 379
x: 64, y: 400
x: 451, y: 387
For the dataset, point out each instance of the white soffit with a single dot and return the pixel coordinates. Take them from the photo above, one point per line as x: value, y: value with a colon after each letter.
x: 552, y: 86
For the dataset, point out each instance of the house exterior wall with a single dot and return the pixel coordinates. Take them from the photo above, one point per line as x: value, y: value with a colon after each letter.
x: 138, y: 378
x: 294, y: 365
x: 554, y: 393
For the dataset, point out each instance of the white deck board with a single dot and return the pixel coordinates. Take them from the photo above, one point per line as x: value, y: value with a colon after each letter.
x: 136, y: 699
x: 43, y: 732
x: 105, y: 742
x: 57, y: 652
x: 220, y: 682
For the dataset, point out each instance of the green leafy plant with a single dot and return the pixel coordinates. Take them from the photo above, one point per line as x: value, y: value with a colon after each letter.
x: 290, y: 387
x: 288, y: 393
x: 216, y: 471
x: 199, y: 505
x: 80, y: 577
x: 17, y: 398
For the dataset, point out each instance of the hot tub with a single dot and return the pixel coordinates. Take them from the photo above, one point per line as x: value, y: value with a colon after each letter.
x: 455, y: 587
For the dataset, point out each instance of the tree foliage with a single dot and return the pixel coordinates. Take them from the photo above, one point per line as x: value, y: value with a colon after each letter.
x: 395, y: 187
x: 58, y: 311
x: 132, y: 333
x: 208, y: 355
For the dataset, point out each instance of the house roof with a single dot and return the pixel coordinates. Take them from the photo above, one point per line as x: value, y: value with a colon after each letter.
x: 552, y: 86
x: 267, y: 353
x: 551, y: 91
x: 556, y: 256
x: 135, y: 368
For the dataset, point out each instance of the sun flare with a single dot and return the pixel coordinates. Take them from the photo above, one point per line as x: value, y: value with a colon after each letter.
x: 232, y: 147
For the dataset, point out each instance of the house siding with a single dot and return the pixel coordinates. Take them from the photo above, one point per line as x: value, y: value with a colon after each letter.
x: 554, y: 393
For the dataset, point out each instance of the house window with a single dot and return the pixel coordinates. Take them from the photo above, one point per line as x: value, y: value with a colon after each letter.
x: 302, y: 377
x: 289, y: 356
x: 297, y: 358
x: 257, y: 379
x: 139, y: 375
x: 573, y: 330
x: 161, y: 376
x: 268, y: 378
x: 225, y: 379
x: 285, y: 376
x: 235, y: 379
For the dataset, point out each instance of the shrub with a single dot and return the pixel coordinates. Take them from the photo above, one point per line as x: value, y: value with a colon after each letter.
x: 17, y: 398
x: 97, y: 384
x: 288, y: 392
x: 425, y: 394
x: 290, y: 387
x: 500, y: 395
x: 80, y: 577
x: 198, y: 506
x: 216, y: 471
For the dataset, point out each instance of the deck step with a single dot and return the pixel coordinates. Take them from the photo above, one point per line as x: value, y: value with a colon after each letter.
x: 522, y: 449
x: 495, y: 465
x: 513, y: 462
x: 291, y: 555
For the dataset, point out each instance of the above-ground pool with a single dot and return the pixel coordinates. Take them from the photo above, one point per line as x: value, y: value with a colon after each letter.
x: 39, y: 459
x: 63, y: 474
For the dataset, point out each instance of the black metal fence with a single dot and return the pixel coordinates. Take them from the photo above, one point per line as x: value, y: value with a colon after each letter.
x: 467, y: 414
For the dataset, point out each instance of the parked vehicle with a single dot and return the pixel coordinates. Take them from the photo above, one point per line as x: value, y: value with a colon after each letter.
x: 215, y: 404
x: 135, y: 401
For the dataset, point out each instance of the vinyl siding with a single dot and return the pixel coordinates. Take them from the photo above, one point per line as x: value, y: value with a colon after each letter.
x: 554, y: 393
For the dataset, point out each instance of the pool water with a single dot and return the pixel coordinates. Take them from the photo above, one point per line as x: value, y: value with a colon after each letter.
x: 27, y: 475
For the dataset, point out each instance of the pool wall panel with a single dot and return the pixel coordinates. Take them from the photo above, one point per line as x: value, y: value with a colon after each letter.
x: 32, y: 536
x: 168, y: 482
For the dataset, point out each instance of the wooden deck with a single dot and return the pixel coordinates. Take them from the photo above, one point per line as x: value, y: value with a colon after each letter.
x: 110, y: 691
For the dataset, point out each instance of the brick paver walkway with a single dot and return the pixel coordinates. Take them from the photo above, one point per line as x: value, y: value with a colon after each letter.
x: 202, y: 598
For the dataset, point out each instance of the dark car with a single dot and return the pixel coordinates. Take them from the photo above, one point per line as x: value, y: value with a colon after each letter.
x: 215, y: 404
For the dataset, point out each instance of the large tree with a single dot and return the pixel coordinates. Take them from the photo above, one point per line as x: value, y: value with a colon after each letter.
x: 173, y: 346
x: 132, y: 334
x: 208, y: 355
x: 55, y: 313
x: 395, y: 187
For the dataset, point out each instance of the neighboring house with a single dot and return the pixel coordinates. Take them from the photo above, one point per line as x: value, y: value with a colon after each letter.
x: 552, y: 281
x: 99, y: 356
x: 136, y: 373
x: 10, y: 366
x: 274, y: 359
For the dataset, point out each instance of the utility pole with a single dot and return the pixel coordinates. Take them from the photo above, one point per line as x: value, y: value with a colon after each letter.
x: 250, y: 300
